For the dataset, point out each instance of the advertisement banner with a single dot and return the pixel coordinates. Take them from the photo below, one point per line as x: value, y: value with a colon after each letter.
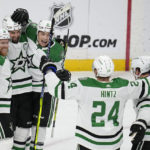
x: 96, y: 27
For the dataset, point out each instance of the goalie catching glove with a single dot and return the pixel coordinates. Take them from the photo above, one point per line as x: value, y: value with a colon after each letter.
x: 63, y: 75
x: 20, y: 16
x: 137, y: 130
x: 46, y: 65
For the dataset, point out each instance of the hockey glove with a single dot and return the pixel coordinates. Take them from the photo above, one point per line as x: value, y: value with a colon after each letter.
x: 137, y: 130
x: 20, y: 16
x: 63, y: 75
x: 46, y: 65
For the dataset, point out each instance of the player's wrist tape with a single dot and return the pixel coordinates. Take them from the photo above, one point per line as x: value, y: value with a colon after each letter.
x: 47, y: 66
x: 52, y: 68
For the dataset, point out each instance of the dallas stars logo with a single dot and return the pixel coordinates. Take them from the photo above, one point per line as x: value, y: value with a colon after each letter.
x: 65, y: 19
x: 30, y: 62
x: 10, y: 83
x: 18, y: 63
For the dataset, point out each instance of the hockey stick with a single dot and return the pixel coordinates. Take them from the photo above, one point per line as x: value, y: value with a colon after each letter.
x: 55, y: 17
x: 43, y: 87
x: 57, y: 100
x: 54, y: 120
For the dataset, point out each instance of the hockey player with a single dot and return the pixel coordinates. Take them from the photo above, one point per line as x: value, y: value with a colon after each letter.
x: 101, y: 103
x: 6, y: 128
x: 21, y: 108
x: 141, y: 68
x: 38, y: 38
x: 56, y: 55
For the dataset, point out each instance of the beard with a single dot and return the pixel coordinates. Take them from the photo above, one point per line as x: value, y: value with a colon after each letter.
x: 15, y: 40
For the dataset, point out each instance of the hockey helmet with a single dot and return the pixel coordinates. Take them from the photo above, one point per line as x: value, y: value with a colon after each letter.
x: 44, y: 25
x: 141, y: 62
x: 9, y: 24
x: 104, y: 66
x: 4, y: 34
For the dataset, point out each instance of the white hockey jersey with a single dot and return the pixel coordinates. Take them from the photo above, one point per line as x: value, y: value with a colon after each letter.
x: 21, y: 79
x: 34, y: 58
x: 35, y: 52
x: 100, y: 108
x: 5, y: 85
x: 138, y: 105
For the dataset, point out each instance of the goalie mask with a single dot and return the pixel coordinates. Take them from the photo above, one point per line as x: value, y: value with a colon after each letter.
x: 10, y: 25
x: 104, y: 66
x: 44, y: 26
x: 142, y: 64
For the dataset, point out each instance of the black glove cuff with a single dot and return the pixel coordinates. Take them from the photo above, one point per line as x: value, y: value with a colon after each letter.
x: 142, y: 123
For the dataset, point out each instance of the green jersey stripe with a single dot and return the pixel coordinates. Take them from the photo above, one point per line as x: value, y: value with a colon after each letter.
x: 38, y: 85
x: 148, y: 105
x: 56, y: 89
x: 21, y: 86
x: 90, y: 82
x: 98, y: 136
x: 4, y: 105
x: 148, y: 85
x: 147, y: 133
x: 99, y: 143
x: 17, y: 148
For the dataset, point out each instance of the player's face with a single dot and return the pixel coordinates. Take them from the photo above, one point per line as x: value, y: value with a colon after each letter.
x: 15, y: 35
x: 43, y: 38
x: 137, y: 73
x: 4, y: 47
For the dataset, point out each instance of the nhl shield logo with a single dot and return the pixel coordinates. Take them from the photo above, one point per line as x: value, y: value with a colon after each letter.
x: 65, y: 19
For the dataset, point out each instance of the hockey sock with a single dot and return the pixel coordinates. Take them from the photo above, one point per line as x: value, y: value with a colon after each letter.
x: 41, y: 138
x: 20, y: 137
x: 28, y: 141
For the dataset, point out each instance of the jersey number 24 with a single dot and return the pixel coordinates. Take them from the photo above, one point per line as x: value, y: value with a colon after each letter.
x: 112, y: 115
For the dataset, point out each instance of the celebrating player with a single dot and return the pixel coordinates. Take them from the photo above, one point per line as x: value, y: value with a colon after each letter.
x: 21, y: 108
x: 141, y: 68
x: 101, y: 103
x: 6, y: 128
x: 38, y: 38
